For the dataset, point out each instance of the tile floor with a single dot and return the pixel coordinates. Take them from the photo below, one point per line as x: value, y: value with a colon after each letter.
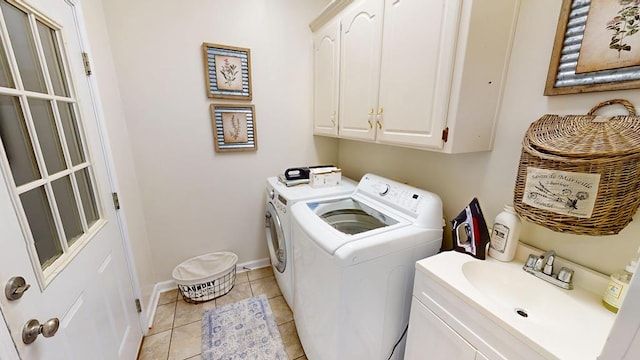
x: 176, y: 330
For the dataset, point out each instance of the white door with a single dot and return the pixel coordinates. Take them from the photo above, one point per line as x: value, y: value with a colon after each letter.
x: 430, y: 338
x: 57, y: 223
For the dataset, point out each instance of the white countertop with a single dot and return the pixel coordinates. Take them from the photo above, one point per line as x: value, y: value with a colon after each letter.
x: 562, y: 324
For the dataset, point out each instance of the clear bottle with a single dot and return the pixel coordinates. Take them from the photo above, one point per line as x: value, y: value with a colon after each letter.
x: 505, y: 235
x: 618, y: 285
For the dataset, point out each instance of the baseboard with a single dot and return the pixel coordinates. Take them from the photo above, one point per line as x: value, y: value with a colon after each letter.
x: 158, y: 288
x: 251, y: 265
x: 169, y: 285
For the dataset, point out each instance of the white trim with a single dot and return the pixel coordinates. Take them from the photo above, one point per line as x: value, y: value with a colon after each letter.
x: 8, y: 349
x: 329, y: 12
x: 158, y: 288
x: 252, y: 265
x: 111, y: 169
x: 169, y: 285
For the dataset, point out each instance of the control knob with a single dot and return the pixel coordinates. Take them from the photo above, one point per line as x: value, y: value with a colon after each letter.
x: 383, y: 189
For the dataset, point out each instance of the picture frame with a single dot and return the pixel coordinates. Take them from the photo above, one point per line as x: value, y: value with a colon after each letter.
x: 234, y: 127
x: 591, y: 51
x: 227, y: 71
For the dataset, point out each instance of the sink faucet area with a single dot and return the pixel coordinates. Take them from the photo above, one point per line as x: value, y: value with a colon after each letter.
x: 555, y: 314
x: 542, y: 267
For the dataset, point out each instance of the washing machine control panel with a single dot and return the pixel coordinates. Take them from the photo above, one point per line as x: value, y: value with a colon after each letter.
x: 383, y: 189
x: 401, y: 196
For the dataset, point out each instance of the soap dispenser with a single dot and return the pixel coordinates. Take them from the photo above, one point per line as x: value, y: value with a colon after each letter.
x: 505, y: 235
x: 618, y: 285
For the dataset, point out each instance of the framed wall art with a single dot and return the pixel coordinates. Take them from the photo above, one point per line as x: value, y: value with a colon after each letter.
x: 597, y: 47
x: 227, y: 71
x: 234, y: 127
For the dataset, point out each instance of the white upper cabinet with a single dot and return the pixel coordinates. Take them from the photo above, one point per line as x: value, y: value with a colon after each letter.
x: 417, y: 66
x: 415, y: 73
x: 326, y: 58
x: 360, y: 69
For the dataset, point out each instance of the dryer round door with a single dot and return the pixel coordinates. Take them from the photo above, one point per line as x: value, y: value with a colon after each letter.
x: 275, y: 238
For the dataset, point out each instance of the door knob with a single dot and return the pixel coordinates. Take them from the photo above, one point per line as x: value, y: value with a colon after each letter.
x: 16, y: 286
x: 33, y: 328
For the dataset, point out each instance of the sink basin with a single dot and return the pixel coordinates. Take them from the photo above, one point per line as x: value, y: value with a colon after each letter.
x: 559, y: 323
x: 526, y: 295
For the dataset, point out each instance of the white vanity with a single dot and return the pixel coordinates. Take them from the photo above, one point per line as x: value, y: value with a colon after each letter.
x: 468, y: 309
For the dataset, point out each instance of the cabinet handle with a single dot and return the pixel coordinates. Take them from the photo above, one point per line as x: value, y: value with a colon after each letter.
x: 371, y: 111
x: 379, y: 117
x: 333, y: 119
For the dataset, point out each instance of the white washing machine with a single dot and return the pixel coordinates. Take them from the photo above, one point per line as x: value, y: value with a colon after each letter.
x: 355, y: 257
x: 280, y: 199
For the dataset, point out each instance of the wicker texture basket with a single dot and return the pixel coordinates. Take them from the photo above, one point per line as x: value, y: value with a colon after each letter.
x: 559, y: 153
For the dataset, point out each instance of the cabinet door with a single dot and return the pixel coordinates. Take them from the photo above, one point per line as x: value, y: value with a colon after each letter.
x: 360, y: 69
x: 418, y: 51
x: 430, y: 338
x: 326, y: 62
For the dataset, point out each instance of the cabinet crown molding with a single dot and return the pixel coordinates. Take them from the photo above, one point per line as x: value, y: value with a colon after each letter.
x: 334, y: 7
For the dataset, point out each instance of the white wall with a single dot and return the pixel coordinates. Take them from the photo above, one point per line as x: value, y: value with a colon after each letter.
x: 491, y: 176
x: 125, y: 176
x: 196, y: 200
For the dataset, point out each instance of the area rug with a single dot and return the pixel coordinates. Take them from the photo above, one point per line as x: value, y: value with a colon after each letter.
x: 242, y: 330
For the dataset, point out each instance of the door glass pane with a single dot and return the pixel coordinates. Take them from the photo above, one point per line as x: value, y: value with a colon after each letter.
x: 17, y: 142
x: 45, y: 124
x: 52, y: 57
x: 87, y: 196
x: 70, y: 126
x: 42, y: 226
x: 23, y: 47
x: 5, y: 74
x: 67, y: 208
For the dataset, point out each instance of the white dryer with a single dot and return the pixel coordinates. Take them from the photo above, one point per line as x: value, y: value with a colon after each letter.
x: 355, y: 257
x: 280, y: 199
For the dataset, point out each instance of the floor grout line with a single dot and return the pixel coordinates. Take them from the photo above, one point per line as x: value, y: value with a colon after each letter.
x: 251, y: 283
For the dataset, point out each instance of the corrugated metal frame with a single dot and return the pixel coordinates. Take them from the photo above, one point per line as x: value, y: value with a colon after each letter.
x: 213, y: 91
x: 218, y: 129
x: 561, y: 78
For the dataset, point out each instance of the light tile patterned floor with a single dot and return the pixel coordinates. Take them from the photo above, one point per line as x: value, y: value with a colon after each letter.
x: 176, y: 330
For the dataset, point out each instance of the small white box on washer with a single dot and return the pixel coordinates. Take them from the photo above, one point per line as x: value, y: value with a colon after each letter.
x: 321, y: 177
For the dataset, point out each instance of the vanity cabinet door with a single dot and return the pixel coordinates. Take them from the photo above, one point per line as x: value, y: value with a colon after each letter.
x: 361, y: 40
x: 326, y: 60
x: 418, y: 52
x: 430, y: 338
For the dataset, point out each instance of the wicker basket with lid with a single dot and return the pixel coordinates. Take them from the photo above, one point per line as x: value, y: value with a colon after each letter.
x: 580, y: 174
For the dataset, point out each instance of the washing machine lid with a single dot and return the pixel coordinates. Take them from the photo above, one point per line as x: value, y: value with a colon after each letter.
x: 350, y: 216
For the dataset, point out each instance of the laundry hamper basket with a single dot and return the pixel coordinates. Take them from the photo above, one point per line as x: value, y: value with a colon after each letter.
x: 580, y: 174
x: 206, y: 277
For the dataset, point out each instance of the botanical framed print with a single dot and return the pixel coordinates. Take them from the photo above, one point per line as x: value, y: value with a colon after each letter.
x: 234, y: 127
x: 227, y: 71
x: 608, y: 41
x: 597, y: 47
